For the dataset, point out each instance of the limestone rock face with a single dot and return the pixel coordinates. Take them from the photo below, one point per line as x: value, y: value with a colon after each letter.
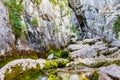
x: 6, y: 38
x: 99, y: 15
x: 46, y: 25
x: 53, y: 27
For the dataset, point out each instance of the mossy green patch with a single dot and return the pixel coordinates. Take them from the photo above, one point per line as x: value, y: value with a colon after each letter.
x: 57, y: 28
x: 50, y: 64
x: 18, y: 74
x: 53, y: 75
x: 53, y: 1
x: 60, y: 54
x: 95, y: 75
x: 116, y: 26
x: 106, y: 63
x: 12, y: 55
x: 15, y: 11
x: 35, y: 22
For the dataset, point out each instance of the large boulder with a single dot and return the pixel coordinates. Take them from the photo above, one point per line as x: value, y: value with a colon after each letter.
x: 112, y: 70
x: 23, y: 63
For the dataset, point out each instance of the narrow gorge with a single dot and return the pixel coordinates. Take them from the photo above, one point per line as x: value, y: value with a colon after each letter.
x: 59, y: 39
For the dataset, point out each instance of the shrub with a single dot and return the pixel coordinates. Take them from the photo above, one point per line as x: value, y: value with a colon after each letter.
x: 15, y: 10
x: 116, y: 27
x: 35, y: 22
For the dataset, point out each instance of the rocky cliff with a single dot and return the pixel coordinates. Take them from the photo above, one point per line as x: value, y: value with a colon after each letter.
x: 99, y: 17
x: 34, y: 25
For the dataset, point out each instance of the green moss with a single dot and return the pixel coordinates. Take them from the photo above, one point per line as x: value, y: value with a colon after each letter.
x: 7, y: 58
x: 15, y: 10
x: 37, y: 2
x: 116, y: 27
x: 53, y: 1
x: 60, y: 54
x: 35, y: 22
x: 53, y: 75
x: 93, y: 23
x: 117, y: 35
x: 18, y: 74
x: 68, y: 12
x: 50, y: 64
x: 28, y: 54
x: 117, y: 62
x: 95, y: 75
x: 102, y: 28
x: 57, y: 28
x: 97, y: 65
x: 12, y: 55
x: 73, y: 29
x: 106, y: 63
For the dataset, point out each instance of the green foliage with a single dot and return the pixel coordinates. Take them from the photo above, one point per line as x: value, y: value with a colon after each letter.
x: 50, y: 64
x: 52, y: 75
x: 60, y: 54
x: 117, y: 35
x: 68, y: 12
x: 117, y: 62
x: 53, y: 1
x: 116, y: 27
x: 95, y: 75
x: 35, y: 22
x: 15, y: 10
x: 93, y: 23
x: 57, y: 28
x: 73, y: 29
x: 61, y: 3
x: 102, y: 28
x: 18, y: 74
x: 106, y: 63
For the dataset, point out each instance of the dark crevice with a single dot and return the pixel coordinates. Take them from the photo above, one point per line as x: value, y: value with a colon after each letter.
x: 81, y: 19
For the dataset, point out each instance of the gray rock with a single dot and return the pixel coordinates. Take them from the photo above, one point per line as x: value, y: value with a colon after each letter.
x: 100, y: 16
x: 115, y: 54
x: 104, y: 77
x: 74, y: 47
x: 112, y: 70
x: 44, y: 78
x: 112, y: 50
x: 115, y: 43
x: 99, y: 43
x: 84, y: 53
x: 64, y: 76
x: 74, y: 77
x: 6, y: 36
x: 51, y: 56
x: 24, y: 63
x: 90, y: 41
x: 53, y: 29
